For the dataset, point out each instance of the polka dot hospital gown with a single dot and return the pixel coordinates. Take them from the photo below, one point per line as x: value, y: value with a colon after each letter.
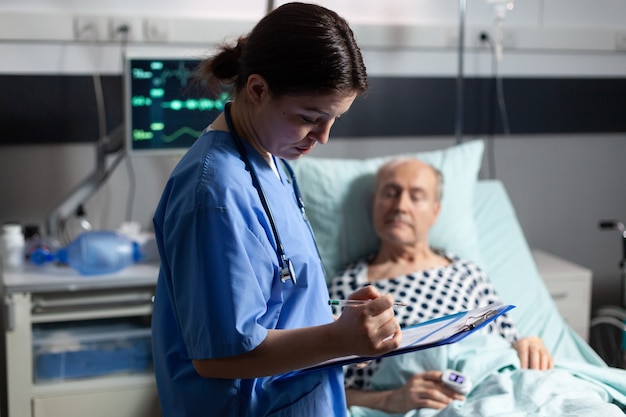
x: 431, y: 293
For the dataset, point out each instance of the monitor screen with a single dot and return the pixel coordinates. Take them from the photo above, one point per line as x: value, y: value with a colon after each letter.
x: 163, y: 114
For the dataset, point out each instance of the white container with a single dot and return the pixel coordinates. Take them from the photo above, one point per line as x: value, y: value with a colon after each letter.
x: 12, y: 246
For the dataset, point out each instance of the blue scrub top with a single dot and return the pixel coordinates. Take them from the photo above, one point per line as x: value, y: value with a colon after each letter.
x: 219, y: 290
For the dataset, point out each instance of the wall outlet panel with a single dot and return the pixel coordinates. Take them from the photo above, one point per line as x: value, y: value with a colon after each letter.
x: 125, y: 28
x: 90, y: 28
x: 156, y: 30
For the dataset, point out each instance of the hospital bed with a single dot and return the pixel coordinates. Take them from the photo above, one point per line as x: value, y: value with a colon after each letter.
x: 477, y: 221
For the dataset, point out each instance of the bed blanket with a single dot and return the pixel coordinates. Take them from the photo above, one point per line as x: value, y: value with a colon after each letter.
x: 501, y: 388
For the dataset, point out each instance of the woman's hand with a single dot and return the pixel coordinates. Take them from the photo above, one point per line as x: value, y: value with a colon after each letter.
x: 370, y: 329
x: 423, y: 390
x: 533, y: 354
x: 367, y: 330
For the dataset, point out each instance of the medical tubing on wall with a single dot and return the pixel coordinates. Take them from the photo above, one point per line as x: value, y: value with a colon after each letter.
x: 130, y: 169
x: 495, y: 60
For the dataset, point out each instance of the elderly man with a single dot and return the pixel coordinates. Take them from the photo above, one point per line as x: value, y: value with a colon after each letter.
x: 406, y: 203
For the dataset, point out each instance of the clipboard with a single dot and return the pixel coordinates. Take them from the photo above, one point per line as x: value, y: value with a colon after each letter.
x: 432, y: 333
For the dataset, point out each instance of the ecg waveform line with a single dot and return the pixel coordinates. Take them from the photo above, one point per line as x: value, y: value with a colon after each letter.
x: 182, y: 73
x: 140, y: 101
x: 202, y: 104
x: 185, y: 130
x: 192, y: 104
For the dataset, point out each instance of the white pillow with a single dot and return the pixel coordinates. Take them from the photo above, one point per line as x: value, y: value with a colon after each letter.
x: 337, y: 196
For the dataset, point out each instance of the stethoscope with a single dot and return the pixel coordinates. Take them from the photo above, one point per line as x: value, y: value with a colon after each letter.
x: 286, y: 266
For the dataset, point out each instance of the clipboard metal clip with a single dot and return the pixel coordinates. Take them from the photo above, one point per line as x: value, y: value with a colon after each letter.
x: 474, y: 321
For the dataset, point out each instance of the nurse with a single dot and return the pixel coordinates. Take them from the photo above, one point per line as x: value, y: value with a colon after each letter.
x: 241, y: 298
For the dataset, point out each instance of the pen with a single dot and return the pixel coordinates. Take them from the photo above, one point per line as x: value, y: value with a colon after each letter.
x: 354, y: 303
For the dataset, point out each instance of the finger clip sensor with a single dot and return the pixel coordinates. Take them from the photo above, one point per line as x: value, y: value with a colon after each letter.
x: 457, y: 381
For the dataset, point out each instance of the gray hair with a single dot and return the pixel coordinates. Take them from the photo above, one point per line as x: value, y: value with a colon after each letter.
x: 394, y: 162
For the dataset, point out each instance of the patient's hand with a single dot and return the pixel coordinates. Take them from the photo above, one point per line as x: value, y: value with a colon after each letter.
x: 533, y: 354
x: 423, y: 390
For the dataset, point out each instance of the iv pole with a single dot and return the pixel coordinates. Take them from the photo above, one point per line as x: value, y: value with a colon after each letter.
x: 459, y: 78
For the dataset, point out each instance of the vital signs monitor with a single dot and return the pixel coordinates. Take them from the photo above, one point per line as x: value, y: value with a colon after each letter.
x: 164, y: 114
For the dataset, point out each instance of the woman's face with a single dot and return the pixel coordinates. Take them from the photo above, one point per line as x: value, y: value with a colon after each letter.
x: 290, y: 126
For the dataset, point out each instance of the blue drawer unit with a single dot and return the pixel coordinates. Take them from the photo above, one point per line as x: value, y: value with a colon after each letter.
x: 90, y: 348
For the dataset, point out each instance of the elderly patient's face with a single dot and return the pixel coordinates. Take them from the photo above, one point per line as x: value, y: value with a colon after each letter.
x: 405, y: 206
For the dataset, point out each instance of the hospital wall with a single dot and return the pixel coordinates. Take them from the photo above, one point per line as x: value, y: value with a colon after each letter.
x: 561, y: 181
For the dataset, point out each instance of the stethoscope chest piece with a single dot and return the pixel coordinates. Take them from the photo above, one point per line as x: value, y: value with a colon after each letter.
x: 287, y: 272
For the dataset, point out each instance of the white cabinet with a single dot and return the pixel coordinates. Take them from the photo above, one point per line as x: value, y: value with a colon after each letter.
x: 569, y: 285
x: 55, y: 298
x: 126, y: 398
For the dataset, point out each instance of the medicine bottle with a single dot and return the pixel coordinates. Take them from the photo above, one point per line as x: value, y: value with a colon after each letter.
x: 95, y: 252
x: 12, y: 245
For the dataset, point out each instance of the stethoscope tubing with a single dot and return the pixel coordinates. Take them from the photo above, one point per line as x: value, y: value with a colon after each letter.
x: 287, y: 271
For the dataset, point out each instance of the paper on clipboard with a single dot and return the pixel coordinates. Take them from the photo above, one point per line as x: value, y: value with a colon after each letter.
x: 432, y: 333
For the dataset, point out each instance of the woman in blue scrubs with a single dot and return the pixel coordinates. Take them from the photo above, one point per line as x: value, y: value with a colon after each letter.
x: 241, y: 299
